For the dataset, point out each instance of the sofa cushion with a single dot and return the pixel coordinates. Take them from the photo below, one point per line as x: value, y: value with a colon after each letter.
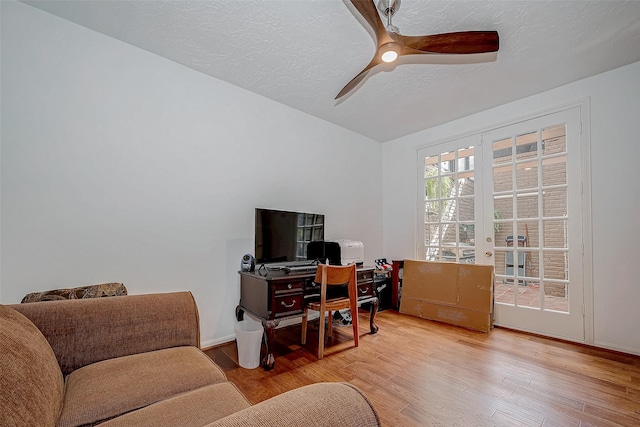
x: 30, y: 378
x: 194, y: 408
x: 113, y: 387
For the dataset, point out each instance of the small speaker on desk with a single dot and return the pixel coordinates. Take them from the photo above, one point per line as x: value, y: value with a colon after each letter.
x: 248, y: 263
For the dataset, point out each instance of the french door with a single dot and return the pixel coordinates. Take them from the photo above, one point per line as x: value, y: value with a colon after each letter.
x: 512, y: 198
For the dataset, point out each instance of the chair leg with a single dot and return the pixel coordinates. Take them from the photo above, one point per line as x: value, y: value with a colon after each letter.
x: 354, y: 324
x: 321, y: 337
x: 330, y: 324
x: 303, y: 338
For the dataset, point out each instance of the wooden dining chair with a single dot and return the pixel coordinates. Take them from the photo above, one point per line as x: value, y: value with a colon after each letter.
x: 328, y: 276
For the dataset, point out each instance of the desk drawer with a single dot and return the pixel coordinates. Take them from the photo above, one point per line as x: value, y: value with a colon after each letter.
x: 287, y: 286
x: 366, y: 290
x: 287, y: 304
x: 365, y: 276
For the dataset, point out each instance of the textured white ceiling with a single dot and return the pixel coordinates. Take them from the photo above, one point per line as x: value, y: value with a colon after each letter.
x: 302, y: 52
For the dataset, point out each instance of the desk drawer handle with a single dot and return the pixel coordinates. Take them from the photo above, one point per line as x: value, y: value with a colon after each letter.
x: 289, y: 286
x: 364, y: 291
x: 288, y: 306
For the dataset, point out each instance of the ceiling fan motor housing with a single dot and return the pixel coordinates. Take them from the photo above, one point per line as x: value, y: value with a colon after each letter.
x: 388, y: 7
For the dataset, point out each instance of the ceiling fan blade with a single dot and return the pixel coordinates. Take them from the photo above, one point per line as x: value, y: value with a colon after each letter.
x: 453, y: 43
x: 358, y: 78
x: 368, y: 10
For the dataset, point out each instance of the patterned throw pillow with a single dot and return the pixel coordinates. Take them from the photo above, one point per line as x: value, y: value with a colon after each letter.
x: 92, y: 291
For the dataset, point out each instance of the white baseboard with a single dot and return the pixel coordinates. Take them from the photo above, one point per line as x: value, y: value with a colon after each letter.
x: 217, y: 341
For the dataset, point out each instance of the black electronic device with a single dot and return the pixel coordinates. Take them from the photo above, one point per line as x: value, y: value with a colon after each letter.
x: 323, y: 251
x: 248, y: 263
x: 282, y: 237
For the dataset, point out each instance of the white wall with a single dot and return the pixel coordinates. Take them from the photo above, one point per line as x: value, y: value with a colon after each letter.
x: 615, y: 155
x: 119, y: 165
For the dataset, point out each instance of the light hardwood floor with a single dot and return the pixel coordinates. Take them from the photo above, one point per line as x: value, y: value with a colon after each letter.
x: 422, y: 373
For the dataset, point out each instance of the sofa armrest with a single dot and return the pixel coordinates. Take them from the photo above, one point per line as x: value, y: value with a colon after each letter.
x: 316, y: 405
x: 85, y: 331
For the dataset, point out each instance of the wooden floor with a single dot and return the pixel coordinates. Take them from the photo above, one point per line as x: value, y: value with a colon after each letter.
x: 422, y: 373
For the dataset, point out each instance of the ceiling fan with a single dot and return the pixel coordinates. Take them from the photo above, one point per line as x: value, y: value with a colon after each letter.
x: 390, y: 44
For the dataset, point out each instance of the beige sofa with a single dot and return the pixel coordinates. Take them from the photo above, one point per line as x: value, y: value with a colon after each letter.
x: 135, y: 361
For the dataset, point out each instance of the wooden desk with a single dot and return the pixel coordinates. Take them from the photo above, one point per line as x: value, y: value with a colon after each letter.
x: 274, y: 295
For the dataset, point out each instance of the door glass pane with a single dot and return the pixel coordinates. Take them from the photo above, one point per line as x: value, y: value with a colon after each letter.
x: 554, y: 140
x: 501, y: 231
x: 432, y: 254
x: 450, y: 206
x: 447, y: 162
x: 466, y: 208
x: 502, y: 179
x: 499, y: 262
x: 554, y: 202
x: 502, y: 151
x: 555, y: 265
x: 447, y: 186
x: 529, y: 296
x: 556, y: 296
x: 466, y: 159
x: 532, y: 264
x: 527, y: 146
x: 528, y: 205
x: 467, y: 236
x: 504, y: 293
x: 555, y: 233
x: 448, y: 234
x: 503, y: 208
x: 527, y: 175
x: 529, y: 229
x: 554, y: 171
x: 434, y: 234
x: 432, y: 187
x: 432, y: 211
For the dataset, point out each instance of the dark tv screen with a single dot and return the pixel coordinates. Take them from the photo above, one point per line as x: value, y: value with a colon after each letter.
x: 282, y: 236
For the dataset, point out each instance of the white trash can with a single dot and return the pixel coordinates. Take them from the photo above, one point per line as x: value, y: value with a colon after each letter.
x: 249, y: 340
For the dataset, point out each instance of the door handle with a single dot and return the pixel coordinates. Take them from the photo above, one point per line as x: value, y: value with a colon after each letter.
x: 488, y: 254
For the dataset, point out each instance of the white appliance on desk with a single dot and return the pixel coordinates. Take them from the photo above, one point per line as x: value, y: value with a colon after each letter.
x: 351, y: 251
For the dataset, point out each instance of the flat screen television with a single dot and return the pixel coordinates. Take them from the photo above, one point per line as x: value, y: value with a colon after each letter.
x: 282, y: 236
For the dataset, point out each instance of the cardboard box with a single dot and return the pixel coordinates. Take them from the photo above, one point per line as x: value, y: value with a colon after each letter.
x: 458, y: 294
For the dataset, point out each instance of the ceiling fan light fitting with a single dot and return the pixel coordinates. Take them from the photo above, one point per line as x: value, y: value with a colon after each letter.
x: 389, y: 52
x: 389, y: 56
